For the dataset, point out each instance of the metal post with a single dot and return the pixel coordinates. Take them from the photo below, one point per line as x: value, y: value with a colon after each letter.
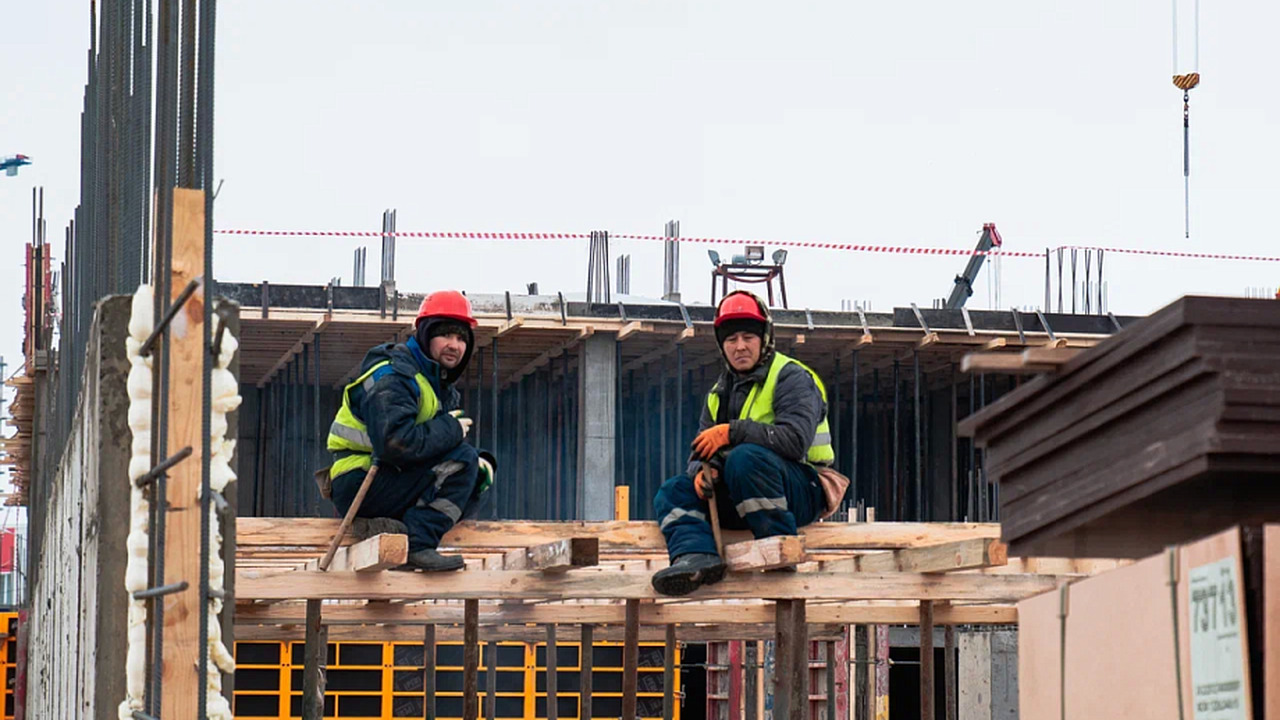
x: 897, y: 422
x: 493, y: 422
x: 833, y: 666
x: 669, y: 675
x: 585, y: 663
x: 491, y: 681
x: 429, y: 671
x: 949, y: 670
x: 784, y: 678
x: 630, y: 659
x: 915, y: 361
x: 553, y: 702
x: 926, y: 660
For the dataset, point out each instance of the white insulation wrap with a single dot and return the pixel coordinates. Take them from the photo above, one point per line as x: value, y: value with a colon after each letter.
x: 225, y: 398
x: 135, y: 572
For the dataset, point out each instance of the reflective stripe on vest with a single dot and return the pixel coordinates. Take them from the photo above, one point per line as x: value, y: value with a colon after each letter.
x: 759, y: 408
x: 347, y: 434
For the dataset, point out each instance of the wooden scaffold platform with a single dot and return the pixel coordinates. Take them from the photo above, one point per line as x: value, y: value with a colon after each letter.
x: 525, y: 581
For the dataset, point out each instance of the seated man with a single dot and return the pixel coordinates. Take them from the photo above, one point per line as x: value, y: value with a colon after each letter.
x: 762, y: 435
x: 402, y: 412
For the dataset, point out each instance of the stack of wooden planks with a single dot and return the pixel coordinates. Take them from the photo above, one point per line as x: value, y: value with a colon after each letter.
x: 1163, y: 433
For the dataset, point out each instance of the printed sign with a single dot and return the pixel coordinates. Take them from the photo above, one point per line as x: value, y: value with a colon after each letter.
x: 1218, y: 689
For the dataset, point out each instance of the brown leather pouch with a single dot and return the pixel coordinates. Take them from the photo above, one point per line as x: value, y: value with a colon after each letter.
x: 324, y: 482
x: 834, y: 485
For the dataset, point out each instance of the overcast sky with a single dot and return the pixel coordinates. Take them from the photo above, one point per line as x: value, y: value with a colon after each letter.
x: 890, y: 123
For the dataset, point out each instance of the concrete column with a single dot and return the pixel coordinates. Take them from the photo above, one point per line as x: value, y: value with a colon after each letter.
x: 989, y: 675
x: 597, y: 388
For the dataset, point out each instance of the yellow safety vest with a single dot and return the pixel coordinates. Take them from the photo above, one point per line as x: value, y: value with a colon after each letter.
x: 349, y: 435
x: 759, y: 408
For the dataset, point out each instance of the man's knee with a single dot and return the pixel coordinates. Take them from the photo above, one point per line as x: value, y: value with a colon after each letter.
x: 743, y: 460
x: 674, y: 492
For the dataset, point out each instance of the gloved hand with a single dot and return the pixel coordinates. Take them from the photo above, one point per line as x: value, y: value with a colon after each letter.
x: 487, y: 475
x: 465, y: 422
x: 704, y: 483
x: 711, y: 441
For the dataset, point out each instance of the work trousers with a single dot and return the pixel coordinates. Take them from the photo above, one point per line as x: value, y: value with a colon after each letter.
x: 429, y: 498
x: 758, y: 490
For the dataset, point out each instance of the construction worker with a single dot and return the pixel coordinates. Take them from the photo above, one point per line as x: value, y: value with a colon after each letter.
x: 402, y: 412
x: 762, y: 439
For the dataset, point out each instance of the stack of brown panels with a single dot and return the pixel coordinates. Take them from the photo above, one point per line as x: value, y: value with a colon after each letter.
x: 1166, y: 432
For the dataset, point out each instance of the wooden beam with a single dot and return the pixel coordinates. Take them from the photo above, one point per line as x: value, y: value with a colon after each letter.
x: 470, y: 660
x: 586, y: 688
x: 622, y: 502
x: 295, y: 533
x: 899, y: 612
x: 765, y: 554
x: 549, y: 355
x: 380, y: 552
x: 630, y: 660
x: 313, y: 660
x: 511, y: 585
x: 926, y: 659
x: 632, y: 328
x: 927, y: 340
x: 799, y: 633
x: 994, y: 343
x: 784, y: 648
x: 1004, y: 363
x: 523, y: 633
x: 182, y: 648
x: 557, y: 556
x: 957, y: 555
x: 506, y: 327
x: 293, y: 352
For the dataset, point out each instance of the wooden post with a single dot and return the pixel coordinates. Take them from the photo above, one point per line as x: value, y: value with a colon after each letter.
x: 630, y: 659
x: 429, y: 671
x: 470, y: 659
x: 584, y: 675
x: 553, y: 709
x: 882, y: 672
x: 735, y: 679
x: 784, y: 678
x: 491, y: 681
x: 750, y: 685
x: 926, y: 660
x: 314, y: 654
x: 179, y: 695
x: 668, y: 674
x: 949, y: 669
x: 833, y: 667
x: 800, y: 660
x: 858, y: 685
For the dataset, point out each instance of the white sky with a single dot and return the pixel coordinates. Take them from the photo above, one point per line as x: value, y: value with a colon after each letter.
x: 889, y: 123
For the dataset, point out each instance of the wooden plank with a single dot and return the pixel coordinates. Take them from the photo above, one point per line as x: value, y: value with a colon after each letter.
x: 1058, y: 354
x: 557, y: 556
x: 628, y: 535
x: 470, y: 661
x: 181, y: 680
x: 799, y: 638
x: 994, y: 343
x: 313, y: 657
x: 958, y: 555
x: 1006, y: 363
x: 511, y: 585
x: 632, y: 328
x: 903, y: 612
x: 630, y: 660
x: 622, y: 502
x: 506, y: 327
x: 380, y: 552
x: 520, y: 633
x: 926, y: 660
x: 784, y: 677
x: 765, y: 554
x: 289, y: 355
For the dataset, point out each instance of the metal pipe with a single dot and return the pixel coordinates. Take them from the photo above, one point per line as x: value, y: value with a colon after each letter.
x: 493, y: 422
x: 915, y: 361
x: 895, y: 508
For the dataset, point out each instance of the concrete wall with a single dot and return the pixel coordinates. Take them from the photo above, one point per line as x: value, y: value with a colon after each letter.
x: 78, y: 603
x: 988, y: 686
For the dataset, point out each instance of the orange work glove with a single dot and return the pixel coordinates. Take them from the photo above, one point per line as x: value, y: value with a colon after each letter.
x: 704, y: 483
x: 711, y: 440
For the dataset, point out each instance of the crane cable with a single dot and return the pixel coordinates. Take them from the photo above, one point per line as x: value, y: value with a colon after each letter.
x: 1185, y: 82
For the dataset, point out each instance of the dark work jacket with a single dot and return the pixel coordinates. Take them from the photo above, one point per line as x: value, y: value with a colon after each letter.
x: 797, y: 407
x: 390, y: 409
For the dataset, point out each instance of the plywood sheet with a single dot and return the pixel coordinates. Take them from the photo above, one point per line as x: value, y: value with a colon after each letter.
x: 1214, y: 641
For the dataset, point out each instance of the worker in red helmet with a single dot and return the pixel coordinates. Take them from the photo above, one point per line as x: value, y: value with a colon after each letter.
x: 403, y: 412
x: 763, y: 451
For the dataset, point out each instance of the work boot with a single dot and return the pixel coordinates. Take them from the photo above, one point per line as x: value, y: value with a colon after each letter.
x: 365, y: 528
x: 687, y: 572
x: 431, y: 561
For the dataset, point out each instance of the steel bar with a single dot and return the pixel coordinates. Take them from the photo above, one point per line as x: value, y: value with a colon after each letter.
x: 493, y: 421
x: 156, y: 592
x: 926, y: 660
x: 429, y: 672
x: 168, y: 316
x: 165, y: 465
x: 919, y: 463
x: 491, y: 681
x: 896, y: 507
x: 669, y: 674
x: 313, y: 657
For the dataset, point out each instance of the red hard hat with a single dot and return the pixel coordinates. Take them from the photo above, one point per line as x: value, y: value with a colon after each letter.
x: 447, y: 304
x: 739, y: 305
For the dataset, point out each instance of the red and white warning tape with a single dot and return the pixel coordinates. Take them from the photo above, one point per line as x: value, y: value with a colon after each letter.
x: 847, y: 247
